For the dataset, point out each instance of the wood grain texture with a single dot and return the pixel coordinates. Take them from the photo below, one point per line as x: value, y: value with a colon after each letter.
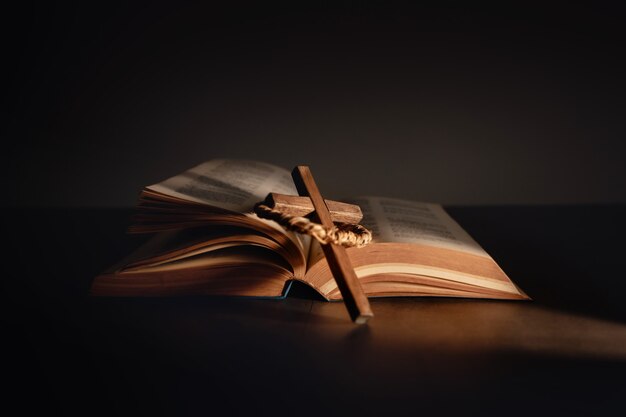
x: 302, y: 206
x: 354, y: 298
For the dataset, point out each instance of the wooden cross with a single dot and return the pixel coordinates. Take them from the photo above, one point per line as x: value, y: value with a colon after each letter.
x: 312, y: 203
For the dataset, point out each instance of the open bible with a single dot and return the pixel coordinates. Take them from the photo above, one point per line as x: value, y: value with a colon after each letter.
x: 207, y: 240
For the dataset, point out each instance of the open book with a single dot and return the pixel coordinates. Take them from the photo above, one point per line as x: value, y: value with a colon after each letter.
x: 207, y: 240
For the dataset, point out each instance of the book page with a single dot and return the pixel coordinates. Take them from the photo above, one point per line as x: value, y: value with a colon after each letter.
x: 402, y: 221
x: 228, y: 184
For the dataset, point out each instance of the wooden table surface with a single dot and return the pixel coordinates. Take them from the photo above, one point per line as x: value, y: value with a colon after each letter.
x: 562, y: 354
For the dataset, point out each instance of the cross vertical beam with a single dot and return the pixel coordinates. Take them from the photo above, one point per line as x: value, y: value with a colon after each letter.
x: 353, y: 296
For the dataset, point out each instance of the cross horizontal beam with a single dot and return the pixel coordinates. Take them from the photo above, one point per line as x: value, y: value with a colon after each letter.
x: 303, y: 207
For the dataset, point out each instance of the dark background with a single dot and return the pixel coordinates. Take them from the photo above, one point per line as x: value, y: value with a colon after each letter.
x: 481, y: 104
x: 485, y: 104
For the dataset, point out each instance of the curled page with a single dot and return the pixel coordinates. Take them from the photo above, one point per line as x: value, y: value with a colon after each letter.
x: 228, y: 184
